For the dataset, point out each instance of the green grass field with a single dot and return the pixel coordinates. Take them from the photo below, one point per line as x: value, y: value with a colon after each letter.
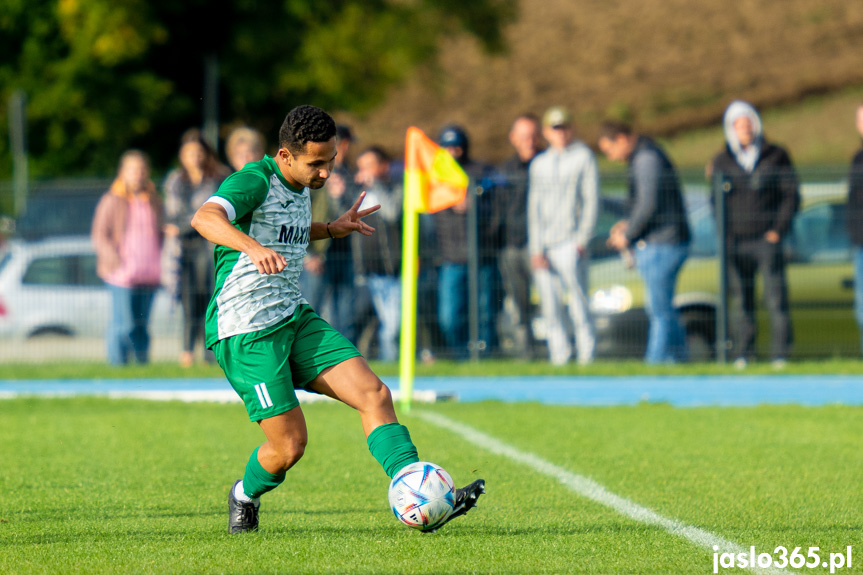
x: 90, y: 370
x: 103, y: 486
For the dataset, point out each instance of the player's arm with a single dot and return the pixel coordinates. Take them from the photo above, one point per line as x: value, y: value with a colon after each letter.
x: 211, y: 221
x: 350, y: 221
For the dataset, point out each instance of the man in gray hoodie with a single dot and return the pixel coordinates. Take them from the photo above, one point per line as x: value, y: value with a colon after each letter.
x: 761, y: 198
x: 562, y: 210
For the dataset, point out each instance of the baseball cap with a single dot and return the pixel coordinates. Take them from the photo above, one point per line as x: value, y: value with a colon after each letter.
x: 453, y: 136
x: 557, y: 116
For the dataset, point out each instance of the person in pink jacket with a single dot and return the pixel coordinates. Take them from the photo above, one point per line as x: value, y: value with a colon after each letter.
x: 127, y: 236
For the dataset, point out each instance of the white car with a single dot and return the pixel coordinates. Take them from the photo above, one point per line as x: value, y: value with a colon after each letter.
x: 50, y: 287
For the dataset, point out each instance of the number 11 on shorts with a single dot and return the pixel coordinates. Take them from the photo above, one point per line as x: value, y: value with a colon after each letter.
x: 264, y: 395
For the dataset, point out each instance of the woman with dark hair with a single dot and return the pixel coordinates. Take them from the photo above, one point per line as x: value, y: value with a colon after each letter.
x: 186, y: 189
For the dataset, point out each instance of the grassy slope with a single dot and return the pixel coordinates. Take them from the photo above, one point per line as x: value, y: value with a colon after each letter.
x: 123, y: 486
x: 670, y: 66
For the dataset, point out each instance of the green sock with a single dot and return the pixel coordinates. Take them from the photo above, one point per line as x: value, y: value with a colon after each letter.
x: 391, y: 445
x: 258, y: 480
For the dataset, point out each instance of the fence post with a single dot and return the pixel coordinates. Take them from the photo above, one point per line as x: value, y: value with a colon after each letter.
x: 721, y: 187
x: 473, y: 271
x: 18, y: 141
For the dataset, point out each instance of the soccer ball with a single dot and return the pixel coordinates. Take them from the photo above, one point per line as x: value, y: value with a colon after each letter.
x: 422, y: 495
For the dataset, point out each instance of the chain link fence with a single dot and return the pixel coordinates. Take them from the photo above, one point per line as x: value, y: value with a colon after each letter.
x: 54, y: 307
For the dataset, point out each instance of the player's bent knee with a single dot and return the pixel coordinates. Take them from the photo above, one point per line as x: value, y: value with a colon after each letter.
x: 291, y: 452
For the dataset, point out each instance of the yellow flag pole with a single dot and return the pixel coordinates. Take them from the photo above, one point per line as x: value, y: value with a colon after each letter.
x: 410, y: 273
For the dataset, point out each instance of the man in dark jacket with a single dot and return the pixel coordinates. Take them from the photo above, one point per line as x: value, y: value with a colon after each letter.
x: 855, y: 223
x: 511, y: 221
x: 379, y: 257
x: 451, y: 226
x: 761, y: 198
x: 657, y: 228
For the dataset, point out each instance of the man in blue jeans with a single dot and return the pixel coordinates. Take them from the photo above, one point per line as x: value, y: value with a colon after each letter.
x: 451, y: 226
x: 658, y: 229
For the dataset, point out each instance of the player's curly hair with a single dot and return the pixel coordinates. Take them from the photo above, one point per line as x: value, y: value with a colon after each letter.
x: 305, y: 124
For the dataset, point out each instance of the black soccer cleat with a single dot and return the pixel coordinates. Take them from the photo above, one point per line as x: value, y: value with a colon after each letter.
x: 465, y: 500
x: 242, y: 517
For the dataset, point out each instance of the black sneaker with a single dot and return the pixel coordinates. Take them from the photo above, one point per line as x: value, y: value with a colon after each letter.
x: 465, y: 500
x: 241, y: 516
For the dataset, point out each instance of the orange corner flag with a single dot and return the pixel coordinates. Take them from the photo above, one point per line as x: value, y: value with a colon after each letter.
x: 433, y: 179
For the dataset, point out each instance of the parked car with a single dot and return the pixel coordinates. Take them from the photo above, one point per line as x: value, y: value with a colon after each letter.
x: 820, y: 284
x: 50, y: 287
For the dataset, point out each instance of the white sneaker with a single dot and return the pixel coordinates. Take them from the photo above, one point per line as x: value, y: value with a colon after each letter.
x: 740, y: 363
x: 779, y: 363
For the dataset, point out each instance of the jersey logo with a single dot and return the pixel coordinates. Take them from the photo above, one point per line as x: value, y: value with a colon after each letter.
x: 287, y: 203
x: 263, y: 395
x: 294, y: 234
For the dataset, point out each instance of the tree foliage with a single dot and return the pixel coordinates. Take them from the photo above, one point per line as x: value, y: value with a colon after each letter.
x: 104, y: 75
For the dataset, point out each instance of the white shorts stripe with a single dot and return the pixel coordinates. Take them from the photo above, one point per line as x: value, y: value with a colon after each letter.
x: 266, y: 395
x: 261, y: 399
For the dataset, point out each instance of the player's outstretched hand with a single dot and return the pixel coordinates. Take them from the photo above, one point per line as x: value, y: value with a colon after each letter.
x: 352, y: 220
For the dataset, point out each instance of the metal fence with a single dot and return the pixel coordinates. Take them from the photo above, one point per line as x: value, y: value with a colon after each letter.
x: 53, y: 306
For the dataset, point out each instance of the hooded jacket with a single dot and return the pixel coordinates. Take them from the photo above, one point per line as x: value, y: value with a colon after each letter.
x: 760, y: 183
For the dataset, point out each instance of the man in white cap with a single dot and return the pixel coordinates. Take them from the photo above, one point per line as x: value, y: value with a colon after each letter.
x: 563, y: 203
x: 761, y: 198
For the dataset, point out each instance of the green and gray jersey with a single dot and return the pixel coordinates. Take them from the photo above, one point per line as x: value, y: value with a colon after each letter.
x: 261, y: 204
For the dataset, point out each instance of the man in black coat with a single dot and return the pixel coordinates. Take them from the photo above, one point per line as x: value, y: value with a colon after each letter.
x: 761, y: 197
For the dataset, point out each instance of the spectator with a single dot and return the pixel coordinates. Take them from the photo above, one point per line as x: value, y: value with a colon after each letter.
x: 127, y: 238
x: 761, y: 191
x: 855, y: 222
x: 562, y: 213
x: 244, y: 145
x: 658, y: 229
x: 380, y: 255
x: 344, y: 300
x: 511, y: 213
x: 451, y: 226
x: 186, y: 189
x: 312, y: 278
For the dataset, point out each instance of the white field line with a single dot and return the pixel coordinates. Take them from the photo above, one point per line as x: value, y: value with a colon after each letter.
x: 590, y: 489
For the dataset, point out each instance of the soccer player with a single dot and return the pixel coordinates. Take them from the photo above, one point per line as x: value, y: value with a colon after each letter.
x: 266, y: 337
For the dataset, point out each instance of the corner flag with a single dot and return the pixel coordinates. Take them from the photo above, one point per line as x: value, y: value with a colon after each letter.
x: 434, y: 181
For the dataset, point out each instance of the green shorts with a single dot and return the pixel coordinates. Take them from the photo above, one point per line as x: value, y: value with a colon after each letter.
x: 264, y: 367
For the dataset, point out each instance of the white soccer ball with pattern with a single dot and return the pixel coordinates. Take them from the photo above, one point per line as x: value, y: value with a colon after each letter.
x: 422, y: 495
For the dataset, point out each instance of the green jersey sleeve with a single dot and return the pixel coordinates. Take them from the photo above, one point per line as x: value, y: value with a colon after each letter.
x: 244, y: 190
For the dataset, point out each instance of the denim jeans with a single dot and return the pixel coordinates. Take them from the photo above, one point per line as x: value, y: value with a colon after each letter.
x: 659, y: 265
x: 858, y: 288
x: 127, y: 329
x: 386, y: 297
x: 453, y: 307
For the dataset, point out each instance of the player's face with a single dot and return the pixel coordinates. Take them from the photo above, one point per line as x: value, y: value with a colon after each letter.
x: 312, y: 166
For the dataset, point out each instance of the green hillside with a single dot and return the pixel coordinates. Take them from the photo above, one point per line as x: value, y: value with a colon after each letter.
x: 671, y: 67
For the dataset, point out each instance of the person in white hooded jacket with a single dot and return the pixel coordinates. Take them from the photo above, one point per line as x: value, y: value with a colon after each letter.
x: 761, y: 197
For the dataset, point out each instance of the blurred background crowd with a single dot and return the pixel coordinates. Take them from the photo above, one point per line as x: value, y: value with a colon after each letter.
x: 591, y: 229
